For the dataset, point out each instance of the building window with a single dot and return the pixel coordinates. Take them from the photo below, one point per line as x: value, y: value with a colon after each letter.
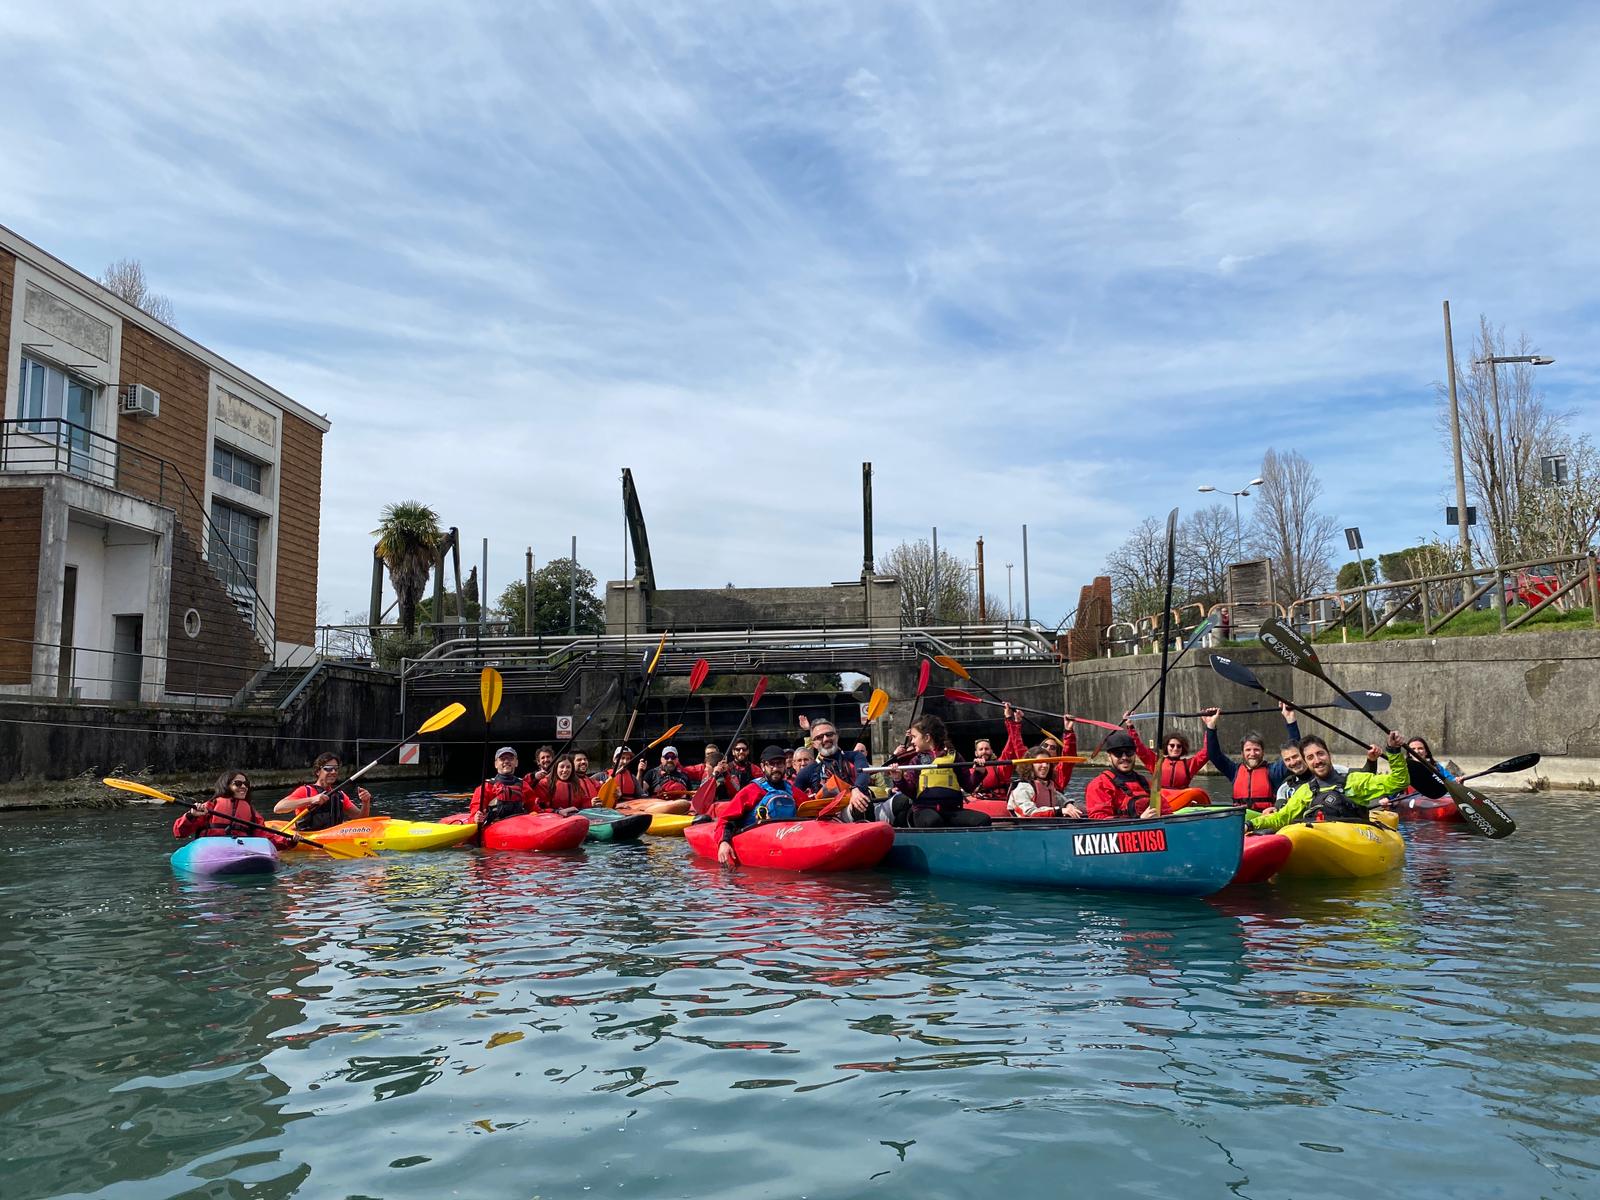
x: 59, y: 405
x: 228, y: 465
x: 1553, y: 469
x: 235, y: 537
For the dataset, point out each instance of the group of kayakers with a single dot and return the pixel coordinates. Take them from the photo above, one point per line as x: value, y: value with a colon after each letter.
x: 923, y: 784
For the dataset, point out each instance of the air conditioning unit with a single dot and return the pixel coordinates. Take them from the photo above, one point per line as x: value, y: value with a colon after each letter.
x: 140, y: 401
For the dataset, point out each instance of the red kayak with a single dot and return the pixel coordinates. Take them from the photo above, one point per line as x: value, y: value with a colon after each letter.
x: 997, y: 810
x: 531, y: 831
x: 1415, y: 807
x: 810, y: 846
x: 1264, y: 856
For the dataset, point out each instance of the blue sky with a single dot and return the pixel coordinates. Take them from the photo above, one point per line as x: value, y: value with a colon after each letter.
x: 1039, y: 263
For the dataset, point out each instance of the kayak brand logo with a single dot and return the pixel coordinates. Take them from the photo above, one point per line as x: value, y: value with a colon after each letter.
x: 1278, y: 648
x: 784, y: 831
x: 1128, y: 841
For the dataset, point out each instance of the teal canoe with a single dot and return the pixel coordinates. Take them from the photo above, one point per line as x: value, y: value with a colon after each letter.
x: 609, y: 825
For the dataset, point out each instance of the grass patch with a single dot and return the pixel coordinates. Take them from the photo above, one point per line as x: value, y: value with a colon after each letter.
x: 1468, y: 624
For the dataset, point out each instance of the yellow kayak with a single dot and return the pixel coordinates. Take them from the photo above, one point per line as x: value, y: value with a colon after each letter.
x: 1342, y: 849
x: 390, y: 833
x: 668, y: 824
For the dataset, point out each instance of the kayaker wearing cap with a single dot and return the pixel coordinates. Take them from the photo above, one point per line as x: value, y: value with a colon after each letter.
x: 622, y: 771
x: 667, y: 778
x: 221, y: 816
x: 739, y: 764
x: 768, y: 798
x: 1177, y: 772
x: 564, y: 787
x: 325, y: 803
x: 1333, y: 795
x: 937, y: 789
x: 1255, y: 781
x: 1119, y: 792
x: 505, y: 795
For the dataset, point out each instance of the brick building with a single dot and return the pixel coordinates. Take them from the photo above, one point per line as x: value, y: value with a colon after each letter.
x: 159, y: 507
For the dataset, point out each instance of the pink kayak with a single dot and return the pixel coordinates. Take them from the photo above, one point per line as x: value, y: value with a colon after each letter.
x: 810, y: 846
x: 530, y: 831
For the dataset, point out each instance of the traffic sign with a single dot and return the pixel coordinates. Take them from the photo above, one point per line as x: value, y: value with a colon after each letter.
x: 563, y: 727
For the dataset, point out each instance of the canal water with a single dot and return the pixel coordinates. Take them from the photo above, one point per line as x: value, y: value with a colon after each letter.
x: 632, y: 1022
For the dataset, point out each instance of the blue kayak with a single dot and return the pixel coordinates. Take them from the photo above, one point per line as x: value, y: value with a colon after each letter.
x: 226, y: 856
x: 1176, y: 856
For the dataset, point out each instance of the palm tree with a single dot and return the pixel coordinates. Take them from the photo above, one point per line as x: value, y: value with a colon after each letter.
x: 408, y: 536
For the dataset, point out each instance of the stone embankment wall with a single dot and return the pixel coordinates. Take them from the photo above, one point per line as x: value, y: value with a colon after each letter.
x: 1476, y: 699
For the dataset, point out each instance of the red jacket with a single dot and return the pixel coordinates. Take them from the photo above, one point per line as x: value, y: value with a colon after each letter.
x: 992, y: 783
x: 1175, y: 772
x: 553, y: 793
x: 627, y: 783
x: 492, y: 791
x: 1107, y: 796
x: 216, y: 824
x: 745, y: 802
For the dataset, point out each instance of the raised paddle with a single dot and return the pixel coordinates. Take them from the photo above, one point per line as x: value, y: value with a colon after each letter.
x: 877, y: 704
x: 1372, y: 701
x: 131, y: 785
x: 1166, y: 638
x: 993, y: 762
x: 1195, y: 638
x: 1522, y: 762
x: 960, y: 697
x: 697, y: 676
x: 1481, y: 814
x: 649, y: 675
x: 957, y: 696
x: 490, y: 688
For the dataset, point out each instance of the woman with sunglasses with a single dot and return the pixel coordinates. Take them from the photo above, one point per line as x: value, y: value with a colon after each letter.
x: 1176, y: 771
x: 226, y: 813
x: 325, y: 803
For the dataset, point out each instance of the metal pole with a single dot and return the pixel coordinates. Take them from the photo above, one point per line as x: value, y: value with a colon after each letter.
x: 483, y: 590
x: 572, y: 589
x: 1008, y: 593
x: 527, y: 595
x: 1497, y: 479
x: 1455, y: 446
x: 1238, y: 530
x: 933, y: 600
x: 983, y: 605
x: 1027, y: 604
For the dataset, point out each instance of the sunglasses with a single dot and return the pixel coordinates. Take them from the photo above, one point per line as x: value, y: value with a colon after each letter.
x: 1119, y: 753
x: 244, y: 783
x: 333, y: 770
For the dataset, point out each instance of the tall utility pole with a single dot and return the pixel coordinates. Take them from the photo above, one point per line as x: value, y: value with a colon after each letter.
x: 933, y: 599
x: 1027, y: 606
x: 527, y: 595
x: 1455, y: 445
x: 983, y: 604
x: 1008, y: 593
x: 572, y: 589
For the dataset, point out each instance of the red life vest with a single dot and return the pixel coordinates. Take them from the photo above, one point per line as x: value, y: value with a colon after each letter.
x: 1128, y: 796
x: 565, y: 793
x: 497, y: 800
x: 995, y: 782
x: 1252, y: 783
x: 1176, y: 773
x: 216, y: 823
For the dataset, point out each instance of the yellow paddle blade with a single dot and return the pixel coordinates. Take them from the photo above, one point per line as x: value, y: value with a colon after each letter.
x: 607, y: 797
x: 876, y: 704
x: 455, y: 795
x: 951, y: 665
x: 490, y: 685
x: 664, y: 737
x: 443, y: 717
x: 656, y: 657
x: 128, y: 785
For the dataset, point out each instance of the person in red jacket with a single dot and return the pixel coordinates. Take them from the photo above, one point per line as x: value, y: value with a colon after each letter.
x: 769, y: 798
x: 505, y: 795
x: 225, y: 813
x: 1120, y: 792
x: 563, y: 788
x: 1177, y: 772
x: 994, y: 782
x: 622, y: 770
x: 326, y: 802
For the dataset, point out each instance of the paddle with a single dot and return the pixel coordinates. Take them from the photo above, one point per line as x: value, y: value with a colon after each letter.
x: 490, y: 687
x: 993, y: 762
x: 644, y: 690
x: 1166, y: 637
x: 697, y: 676
x: 1522, y: 762
x: 957, y: 696
x: 877, y: 705
x: 1194, y: 640
x: 1371, y: 701
x: 130, y: 785
x: 445, y: 716
x: 1481, y: 814
x: 593, y: 712
x: 960, y: 697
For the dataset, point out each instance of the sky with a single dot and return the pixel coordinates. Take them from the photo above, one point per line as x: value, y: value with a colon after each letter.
x: 1047, y: 264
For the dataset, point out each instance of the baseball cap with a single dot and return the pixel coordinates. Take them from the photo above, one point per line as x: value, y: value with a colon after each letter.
x: 669, y: 752
x: 773, y: 754
x: 504, y: 750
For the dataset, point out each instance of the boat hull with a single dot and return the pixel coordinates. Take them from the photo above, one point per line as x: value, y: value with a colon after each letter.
x: 218, y: 856
x: 1190, y: 855
x: 1342, y: 850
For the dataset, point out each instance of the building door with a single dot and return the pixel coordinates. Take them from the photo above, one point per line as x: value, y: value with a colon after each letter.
x: 69, y: 614
x: 127, y: 661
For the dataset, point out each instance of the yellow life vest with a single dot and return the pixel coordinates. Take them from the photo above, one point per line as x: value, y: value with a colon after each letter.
x: 941, y: 774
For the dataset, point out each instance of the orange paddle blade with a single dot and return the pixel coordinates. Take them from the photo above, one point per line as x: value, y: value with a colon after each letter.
x: 607, y: 797
x: 129, y: 785
x: 664, y: 737
x: 951, y: 665
x: 876, y: 704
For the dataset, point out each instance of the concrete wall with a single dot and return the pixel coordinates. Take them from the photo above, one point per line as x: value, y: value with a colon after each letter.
x: 1476, y: 699
x: 837, y: 606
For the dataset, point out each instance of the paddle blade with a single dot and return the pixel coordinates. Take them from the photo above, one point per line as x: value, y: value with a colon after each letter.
x: 607, y: 796
x: 1290, y: 646
x: 490, y: 686
x: 1235, y: 672
x: 957, y: 696
x: 922, y: 676
x: 664, y: 737
x: 1522, y: 762
x: 761, y: 690
x: 129, y: 785
x: 1370, y: 701
x: 442, y: 718
x: 656, y: 657
x: 697, y: 676
x: 876, y: 704
x: 951, y: 665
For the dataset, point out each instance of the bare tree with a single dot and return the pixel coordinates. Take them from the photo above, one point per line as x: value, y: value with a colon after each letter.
x: 912, y: 564
x: 1207, y: 543
x: 1505, y: 432
x: 1138, y: 570
x: 126, y: 278
x: 1288, y: 528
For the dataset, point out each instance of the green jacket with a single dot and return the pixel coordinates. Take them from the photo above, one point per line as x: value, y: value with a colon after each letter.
x: 1363, y: 787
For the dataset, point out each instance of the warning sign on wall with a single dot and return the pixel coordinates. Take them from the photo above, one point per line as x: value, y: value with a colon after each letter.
x: 563, y: 727
x: 410, y: 754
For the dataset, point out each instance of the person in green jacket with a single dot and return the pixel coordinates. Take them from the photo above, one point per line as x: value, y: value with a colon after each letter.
x: 1334, y: 795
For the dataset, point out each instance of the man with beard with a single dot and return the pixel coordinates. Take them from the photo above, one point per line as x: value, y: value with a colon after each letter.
x: 1255, y: 781
x: 1334, y: 795
x: 834, y: 771
x: 1120, y: 792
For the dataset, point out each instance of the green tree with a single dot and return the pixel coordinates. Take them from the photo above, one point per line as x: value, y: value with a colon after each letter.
x: 1350, y: 575
x: 552, y: 590
x: 408, y: 536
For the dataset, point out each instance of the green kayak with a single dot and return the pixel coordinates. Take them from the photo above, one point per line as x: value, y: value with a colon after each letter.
x: 609, y: 825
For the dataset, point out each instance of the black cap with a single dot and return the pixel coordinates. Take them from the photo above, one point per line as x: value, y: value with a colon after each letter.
x: 773, y: 754
x: 1120, y: 740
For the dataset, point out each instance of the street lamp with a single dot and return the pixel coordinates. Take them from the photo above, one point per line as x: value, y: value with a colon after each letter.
x: 1008, y: 594
x: 1493, y: 362
x: 1238, y: 535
